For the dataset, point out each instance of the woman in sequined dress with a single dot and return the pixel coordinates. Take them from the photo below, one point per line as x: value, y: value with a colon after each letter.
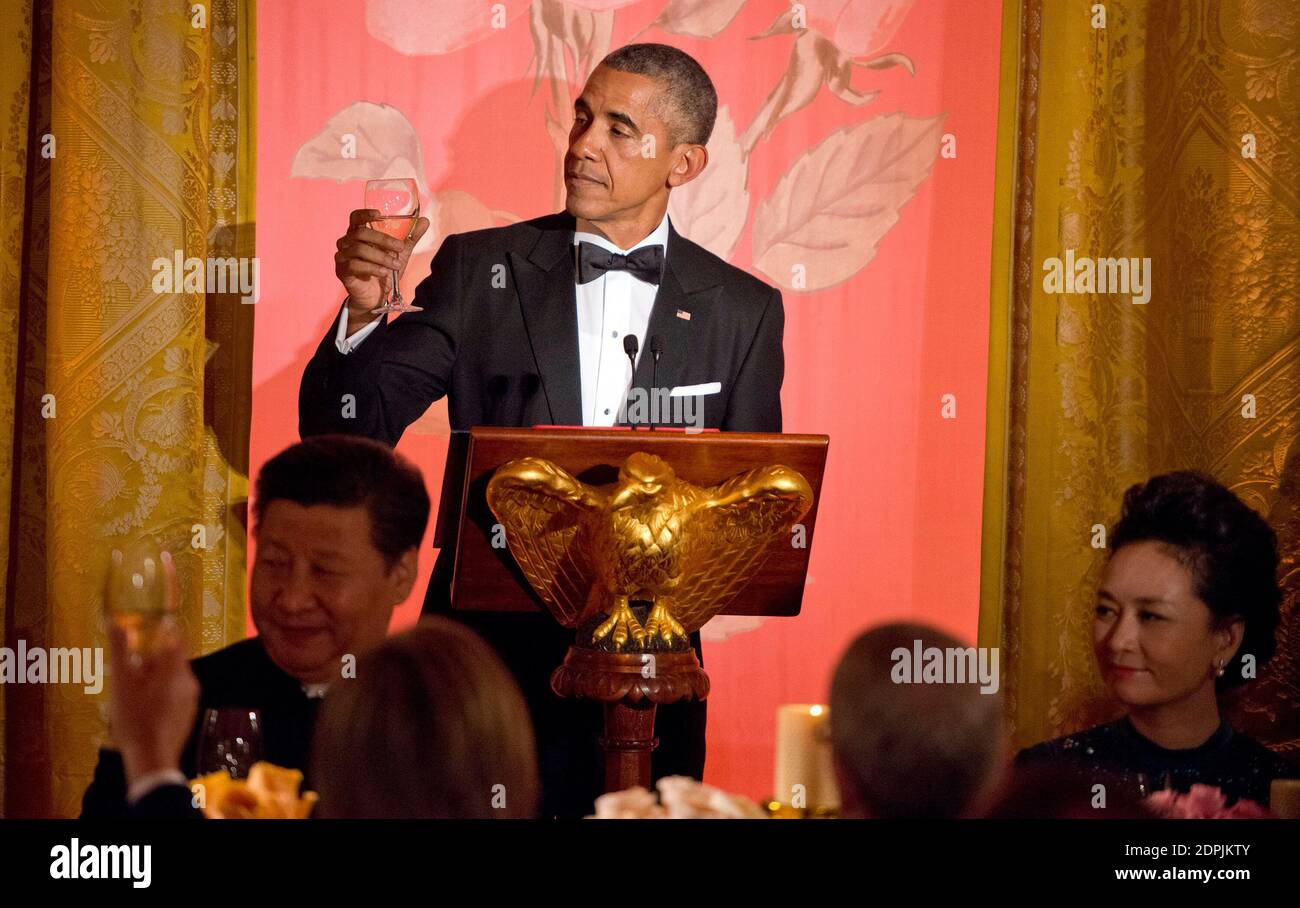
x: 1187, y: 608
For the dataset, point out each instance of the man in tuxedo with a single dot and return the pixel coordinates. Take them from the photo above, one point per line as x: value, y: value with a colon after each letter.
x: 526, y: 325
x: 338, y: 522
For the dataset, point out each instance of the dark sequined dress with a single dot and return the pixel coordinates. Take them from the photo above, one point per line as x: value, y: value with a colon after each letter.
x: 1117, y: 754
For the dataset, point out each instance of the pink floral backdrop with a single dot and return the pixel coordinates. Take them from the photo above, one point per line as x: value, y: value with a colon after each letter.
x: 851, y: 165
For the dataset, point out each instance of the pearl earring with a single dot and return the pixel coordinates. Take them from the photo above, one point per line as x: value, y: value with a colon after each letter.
x: 1219, y: 668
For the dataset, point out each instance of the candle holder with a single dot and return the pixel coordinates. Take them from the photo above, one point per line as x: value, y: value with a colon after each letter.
x: 777, y: 811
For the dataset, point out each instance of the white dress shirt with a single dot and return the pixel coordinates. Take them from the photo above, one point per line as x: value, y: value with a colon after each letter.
x: 609, y: 308
x: 348, y: 344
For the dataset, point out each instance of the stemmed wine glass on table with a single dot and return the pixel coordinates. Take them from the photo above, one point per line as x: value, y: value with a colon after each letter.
x: 230, y: 741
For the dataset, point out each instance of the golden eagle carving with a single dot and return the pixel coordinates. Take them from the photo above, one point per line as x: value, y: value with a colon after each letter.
x: 589, y: 551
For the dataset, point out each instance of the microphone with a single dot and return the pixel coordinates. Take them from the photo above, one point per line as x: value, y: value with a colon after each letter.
x: 656, y: 350
x: 630, y: 347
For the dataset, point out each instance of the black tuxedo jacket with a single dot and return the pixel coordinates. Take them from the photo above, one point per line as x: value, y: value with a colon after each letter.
x: 499, y: 337
x: 242, y: 675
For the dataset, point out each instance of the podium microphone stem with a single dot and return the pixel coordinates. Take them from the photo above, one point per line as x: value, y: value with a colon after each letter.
x: 630, y: 347
x: 656, y: 351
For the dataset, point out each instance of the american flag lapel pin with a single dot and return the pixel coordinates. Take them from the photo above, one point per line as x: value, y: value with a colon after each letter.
x: 683, y: 314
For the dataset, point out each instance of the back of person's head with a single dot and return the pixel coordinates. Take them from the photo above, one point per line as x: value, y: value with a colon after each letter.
x: 433, y: 726
x: 346, y: 471
x: 904, y: 748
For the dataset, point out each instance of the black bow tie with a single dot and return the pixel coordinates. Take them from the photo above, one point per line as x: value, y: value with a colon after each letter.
x: 646, y: 263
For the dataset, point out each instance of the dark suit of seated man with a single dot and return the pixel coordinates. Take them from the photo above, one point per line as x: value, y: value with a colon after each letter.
x: 525, y: 325
x: 338, y: 522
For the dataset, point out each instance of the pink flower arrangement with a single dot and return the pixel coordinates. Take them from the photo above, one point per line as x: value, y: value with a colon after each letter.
x: 1202, y: 802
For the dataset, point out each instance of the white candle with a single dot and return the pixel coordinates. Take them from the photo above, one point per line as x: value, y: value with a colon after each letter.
x: 1284, y: 799
x: 805, y: 776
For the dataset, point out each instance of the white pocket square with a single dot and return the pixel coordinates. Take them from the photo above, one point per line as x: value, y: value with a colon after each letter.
x: 712, y: 387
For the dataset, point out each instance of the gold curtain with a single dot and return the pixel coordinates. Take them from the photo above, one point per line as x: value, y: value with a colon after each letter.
x: 1171, y: 131
x: 124, y: 412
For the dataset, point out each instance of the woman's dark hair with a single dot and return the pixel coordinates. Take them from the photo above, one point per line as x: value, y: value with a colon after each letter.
x: 432, y: 726
x: 1229, y: 549
x: 346, y: 472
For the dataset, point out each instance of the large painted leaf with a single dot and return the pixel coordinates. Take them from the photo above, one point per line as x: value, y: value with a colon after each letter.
x: 711, y: 209
x: 827, y: 215
x: 386, y: 146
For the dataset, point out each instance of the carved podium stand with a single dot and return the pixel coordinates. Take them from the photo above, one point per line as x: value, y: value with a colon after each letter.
x: 565, y: 533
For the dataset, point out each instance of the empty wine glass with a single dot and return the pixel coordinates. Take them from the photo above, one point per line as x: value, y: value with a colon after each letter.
x: 398, y: 204
x: 230, y: 741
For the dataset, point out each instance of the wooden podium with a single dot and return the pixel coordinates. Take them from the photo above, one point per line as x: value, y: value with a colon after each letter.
x: 487, y: 578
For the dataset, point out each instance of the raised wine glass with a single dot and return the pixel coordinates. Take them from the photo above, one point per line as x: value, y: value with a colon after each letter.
x: 141, y: 593
x: 398, y: 204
